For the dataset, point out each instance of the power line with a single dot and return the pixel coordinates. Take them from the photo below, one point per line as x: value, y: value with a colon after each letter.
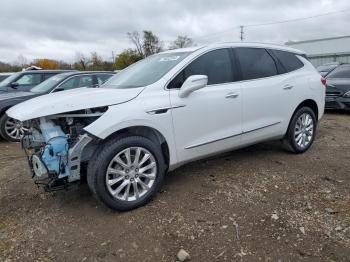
x: 298, y: 19
x: 270, y: 23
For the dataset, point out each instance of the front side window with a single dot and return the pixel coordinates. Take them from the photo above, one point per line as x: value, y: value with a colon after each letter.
x: 86, y: 81
x: 289, y: 60
x: 29, y: 79
x: 340, y: 72
x: 102, y: 78
x: 255, y: 63
x: 48, y: 84
x: 70, y: 83
x: 214, y: 64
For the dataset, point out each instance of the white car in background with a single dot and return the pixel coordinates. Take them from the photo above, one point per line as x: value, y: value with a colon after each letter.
x: 169, y: 109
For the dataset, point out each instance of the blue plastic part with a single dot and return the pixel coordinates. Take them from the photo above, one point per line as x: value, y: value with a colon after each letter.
x: 55, y: 155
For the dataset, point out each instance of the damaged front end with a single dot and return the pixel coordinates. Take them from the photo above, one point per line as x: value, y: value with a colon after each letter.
x: 57, y: 147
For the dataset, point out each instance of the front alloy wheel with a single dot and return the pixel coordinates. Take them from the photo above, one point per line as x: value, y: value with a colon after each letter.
x: 126, y: 172
x: 11, y: 129
x: 131, y: 174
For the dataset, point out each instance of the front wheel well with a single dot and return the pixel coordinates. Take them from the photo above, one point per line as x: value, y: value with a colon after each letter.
x: 3, y: 111
x: 148, y: 132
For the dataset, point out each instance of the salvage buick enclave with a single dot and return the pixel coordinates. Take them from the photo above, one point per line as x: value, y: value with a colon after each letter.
x: 169, y: 109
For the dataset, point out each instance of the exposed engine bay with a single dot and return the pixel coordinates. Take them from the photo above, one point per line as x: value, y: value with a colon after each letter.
x: 54, y: 147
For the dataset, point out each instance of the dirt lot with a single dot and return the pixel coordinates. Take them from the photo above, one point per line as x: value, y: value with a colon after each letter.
x: 259, y: 203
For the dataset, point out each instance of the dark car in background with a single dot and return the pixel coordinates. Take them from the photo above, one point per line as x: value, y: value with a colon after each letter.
x: 25, y: 80
x: 5, y: 75
x: 338, y: 88
x: 327, y: 68
x: 12, y: 130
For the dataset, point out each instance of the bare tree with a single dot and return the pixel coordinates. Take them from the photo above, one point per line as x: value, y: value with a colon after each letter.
x: 151, y: 43
x: 81, y: 60
x: 181, y: 42
x: 148, y: 45
x: 136, y: 40
x: 21, y: 61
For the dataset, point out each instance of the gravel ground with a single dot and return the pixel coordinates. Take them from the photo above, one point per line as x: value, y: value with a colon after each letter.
x: 258, y: 203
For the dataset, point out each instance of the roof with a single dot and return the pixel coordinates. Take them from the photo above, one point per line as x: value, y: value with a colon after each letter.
x: 70, y: 73
x: 238, y: 44
x: 45, y: 71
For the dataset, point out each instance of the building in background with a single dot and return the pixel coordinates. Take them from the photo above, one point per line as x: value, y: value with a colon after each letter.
x: 326, y: 50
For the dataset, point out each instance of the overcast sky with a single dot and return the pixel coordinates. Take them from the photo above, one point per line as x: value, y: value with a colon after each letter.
x: 59, y: 28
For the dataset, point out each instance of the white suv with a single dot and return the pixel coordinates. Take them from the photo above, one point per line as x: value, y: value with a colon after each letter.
x: 169, y: 109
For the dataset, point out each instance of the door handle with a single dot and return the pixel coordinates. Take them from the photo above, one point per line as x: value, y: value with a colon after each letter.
x: 287, y: 87
x: 231, y: 95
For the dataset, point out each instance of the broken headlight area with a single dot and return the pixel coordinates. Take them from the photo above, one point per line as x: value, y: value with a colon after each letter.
x: 56, y: 146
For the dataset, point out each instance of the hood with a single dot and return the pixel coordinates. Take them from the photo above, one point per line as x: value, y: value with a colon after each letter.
x: 14, y: 95
x: 71, y: 100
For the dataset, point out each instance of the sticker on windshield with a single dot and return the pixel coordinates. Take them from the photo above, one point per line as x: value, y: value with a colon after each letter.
x: 169, y: 58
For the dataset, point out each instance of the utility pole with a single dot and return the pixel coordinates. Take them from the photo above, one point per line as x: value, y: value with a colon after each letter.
x: 242, y: 32
x: 113, y: 57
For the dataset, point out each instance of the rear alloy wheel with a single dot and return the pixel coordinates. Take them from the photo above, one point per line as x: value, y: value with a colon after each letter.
x: 301, y: 131
x: 11, y: 129
x: 126, y: 173
x: 304, y: 130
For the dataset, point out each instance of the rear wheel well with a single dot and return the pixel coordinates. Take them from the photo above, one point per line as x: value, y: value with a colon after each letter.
x: 308, y: 103
x: 148, y: 132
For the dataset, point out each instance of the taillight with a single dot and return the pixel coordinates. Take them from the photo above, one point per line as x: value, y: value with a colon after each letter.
x: 323, y: 81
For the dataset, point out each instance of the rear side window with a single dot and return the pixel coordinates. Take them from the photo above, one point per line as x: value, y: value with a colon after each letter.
x: 255, y: 63
x: 288, y: 60
x: 214, y: 64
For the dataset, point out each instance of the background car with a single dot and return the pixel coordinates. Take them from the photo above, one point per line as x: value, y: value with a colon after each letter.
x: 327, y: 68
x: 25, y: 80
x: 338, y: 88
x: 5, y: 75
x: 12, y: 130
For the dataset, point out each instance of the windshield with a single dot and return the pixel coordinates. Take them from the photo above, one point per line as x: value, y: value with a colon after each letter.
x: 48, y: 84
x: 9, y: 80
x: 326, y: 68
x: 146, y: 71
x: 340, y: 72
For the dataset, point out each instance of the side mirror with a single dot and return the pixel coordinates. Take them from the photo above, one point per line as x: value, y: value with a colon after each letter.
x: 58, y: 89
x: 14, y: 85
x: 192, y: 84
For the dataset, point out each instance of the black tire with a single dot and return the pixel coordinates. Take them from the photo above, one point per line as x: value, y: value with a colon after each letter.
x: 3, y: 133
x: 97, y: 167
x: 290, y: 141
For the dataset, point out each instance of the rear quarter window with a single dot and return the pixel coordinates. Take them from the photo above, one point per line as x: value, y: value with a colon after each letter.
x: 255, y: 63
x: 289, y: 60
